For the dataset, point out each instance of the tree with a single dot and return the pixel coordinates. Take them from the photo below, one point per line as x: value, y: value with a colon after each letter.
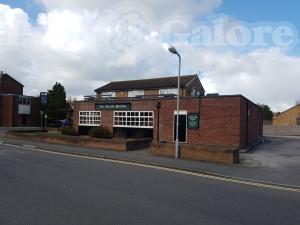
x: 57, y: 105
x: 267, y: 112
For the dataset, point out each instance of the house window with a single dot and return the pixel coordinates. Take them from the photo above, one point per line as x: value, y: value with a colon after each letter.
x: 298, y: 120
x: 24, y: 101
x: 168, y: 91
x: 135, y: 93
x: 89, y: 118
x: 137, y: 119
x: 108, y: 94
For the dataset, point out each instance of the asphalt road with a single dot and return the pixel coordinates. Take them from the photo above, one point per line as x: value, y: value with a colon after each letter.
x: 39, y: 188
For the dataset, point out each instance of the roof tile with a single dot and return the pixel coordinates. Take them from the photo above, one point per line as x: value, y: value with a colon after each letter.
x: 153, y: 83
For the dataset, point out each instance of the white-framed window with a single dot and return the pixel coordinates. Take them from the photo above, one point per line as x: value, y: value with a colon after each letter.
x: 89, y: 118
x: 168, y: 91
x: 135, y: 119
x: 24, y: 100
x: 108, y: 94
x: 134, y: 93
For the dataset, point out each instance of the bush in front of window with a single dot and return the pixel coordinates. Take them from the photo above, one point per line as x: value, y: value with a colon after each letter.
x: 68, y: 131
x: 100, y: 132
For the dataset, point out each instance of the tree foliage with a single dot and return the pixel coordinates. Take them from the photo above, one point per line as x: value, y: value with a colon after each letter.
x: 268, y: 114
x: 57, y: 106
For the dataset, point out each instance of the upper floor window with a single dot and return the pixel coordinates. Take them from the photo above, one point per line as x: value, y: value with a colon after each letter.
x: 24, y: 100
x: 168, y: 91
x: 108, y: 94
x: 135, y: 93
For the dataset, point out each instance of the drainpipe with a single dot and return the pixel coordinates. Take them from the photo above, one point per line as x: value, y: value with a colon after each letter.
x: 158, y: 105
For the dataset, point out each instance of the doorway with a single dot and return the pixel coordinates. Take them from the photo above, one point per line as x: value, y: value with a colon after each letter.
x: 24, y: 120
x: 182, y: 129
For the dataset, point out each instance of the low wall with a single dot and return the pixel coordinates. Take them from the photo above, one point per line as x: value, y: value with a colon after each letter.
x: 281, y: 130
x: 78, y: 141
x: 207, y: 153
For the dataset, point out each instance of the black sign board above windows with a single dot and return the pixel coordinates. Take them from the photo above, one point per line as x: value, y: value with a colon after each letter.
x: 193, y: 121
x: 113, y: 106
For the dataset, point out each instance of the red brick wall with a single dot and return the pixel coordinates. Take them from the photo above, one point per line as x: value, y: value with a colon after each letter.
x: 10, y: 86
x: 197, y: 86
x: 6, y: 110
x: 208, y: 153
x: 35, y: 117
x: 251, y: 122
x: 107, y: 116
x: 9, y: 116
x: 221, y: 119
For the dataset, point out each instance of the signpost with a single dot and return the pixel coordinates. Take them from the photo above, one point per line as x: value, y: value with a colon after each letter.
x: 113, y: 106
x: 44, y: 102
x: 41, y: 113
x: 46, y: 117
x: 193, y: 121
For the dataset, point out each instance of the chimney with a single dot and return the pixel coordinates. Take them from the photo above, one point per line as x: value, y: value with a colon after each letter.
x: 1, y: 72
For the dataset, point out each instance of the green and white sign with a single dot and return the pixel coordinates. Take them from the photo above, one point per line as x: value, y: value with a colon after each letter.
x: 193, y: 121
x: 113, y: 106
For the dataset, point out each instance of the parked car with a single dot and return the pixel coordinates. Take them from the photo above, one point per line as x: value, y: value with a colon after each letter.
x: 52, y: 122
x: 65, y: 122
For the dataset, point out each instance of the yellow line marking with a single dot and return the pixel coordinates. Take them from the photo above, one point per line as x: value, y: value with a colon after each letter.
x: 178, y: 171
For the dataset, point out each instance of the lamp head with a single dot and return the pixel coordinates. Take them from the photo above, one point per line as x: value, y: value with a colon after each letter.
x: 173, y: 50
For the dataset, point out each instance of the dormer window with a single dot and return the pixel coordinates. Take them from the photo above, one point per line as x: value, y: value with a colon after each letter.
x: 168, y: 91
x: 108, y: 94
x: 135, y: 93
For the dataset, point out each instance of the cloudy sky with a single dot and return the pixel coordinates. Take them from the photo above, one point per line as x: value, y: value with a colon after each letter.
x: 248, y: 47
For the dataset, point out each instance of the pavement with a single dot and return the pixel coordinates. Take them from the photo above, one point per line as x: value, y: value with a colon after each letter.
x: 282, y: 153
x: 254, y: 167
x: 49, y: 188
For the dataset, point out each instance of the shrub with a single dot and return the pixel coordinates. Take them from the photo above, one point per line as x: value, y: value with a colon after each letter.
x: 100, y: 132
x: 68, y: 131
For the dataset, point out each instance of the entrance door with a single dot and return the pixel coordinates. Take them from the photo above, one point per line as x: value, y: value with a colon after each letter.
x: 182, y: 127
x: 24, y: 120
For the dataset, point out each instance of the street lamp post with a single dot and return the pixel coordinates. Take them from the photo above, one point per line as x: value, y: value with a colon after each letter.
x: 46, y: 117
x: 174, y: 51
x: 41, y: 113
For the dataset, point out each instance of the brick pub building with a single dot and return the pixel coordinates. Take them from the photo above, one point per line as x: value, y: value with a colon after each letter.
x: 17, y: 109
x: 147, y: 108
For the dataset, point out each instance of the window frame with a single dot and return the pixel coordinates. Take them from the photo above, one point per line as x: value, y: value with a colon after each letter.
x: 89, y: 115
x: 175, y: 90
x: 135, y: 93
x: 108, y: 94
x: 133, y: 119
x: 24, y: 100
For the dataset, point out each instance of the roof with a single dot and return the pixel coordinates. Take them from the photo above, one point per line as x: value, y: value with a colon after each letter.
x: 5, y: 75
x: 153, y: 83
x: 295, y: 106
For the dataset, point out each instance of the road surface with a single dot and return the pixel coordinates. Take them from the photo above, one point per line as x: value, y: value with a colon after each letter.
x: 40, y: 188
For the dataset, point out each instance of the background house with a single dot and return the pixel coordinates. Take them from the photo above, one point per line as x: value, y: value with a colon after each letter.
x: 190, y: 85
x: 17, y: 109
x: 289, y: 117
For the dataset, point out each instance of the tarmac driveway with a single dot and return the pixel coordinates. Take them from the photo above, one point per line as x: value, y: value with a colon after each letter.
x: 275, y: 152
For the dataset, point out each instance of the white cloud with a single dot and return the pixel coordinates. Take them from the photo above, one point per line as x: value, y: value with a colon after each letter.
x: 157, y: 7
x: 83, y: 49
x: 268, y: 76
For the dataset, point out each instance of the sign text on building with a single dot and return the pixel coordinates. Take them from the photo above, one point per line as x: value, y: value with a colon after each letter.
x: 193, y: 121
x: 113, y: 106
